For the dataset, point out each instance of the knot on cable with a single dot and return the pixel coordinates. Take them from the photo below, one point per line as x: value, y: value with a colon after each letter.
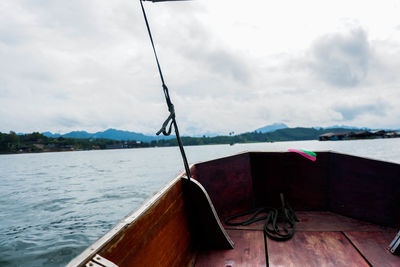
x: 169, y: 120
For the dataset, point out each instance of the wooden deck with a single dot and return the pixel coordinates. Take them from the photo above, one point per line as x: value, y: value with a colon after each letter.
x: 249, y: 251
x: 321, y: 239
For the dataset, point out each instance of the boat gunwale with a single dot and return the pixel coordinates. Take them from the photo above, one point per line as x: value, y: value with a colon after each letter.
x: 329, y: 151
x: 95, y: 247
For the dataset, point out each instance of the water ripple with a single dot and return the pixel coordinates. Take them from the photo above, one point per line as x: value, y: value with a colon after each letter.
x: 54, y: 205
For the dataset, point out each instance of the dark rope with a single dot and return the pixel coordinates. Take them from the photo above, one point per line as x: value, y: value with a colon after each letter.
x: 280, y: 232
x: 171, y: 121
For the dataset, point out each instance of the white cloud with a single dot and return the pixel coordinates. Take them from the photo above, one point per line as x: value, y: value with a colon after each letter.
x: 230, y: 65
x: 341, y: 60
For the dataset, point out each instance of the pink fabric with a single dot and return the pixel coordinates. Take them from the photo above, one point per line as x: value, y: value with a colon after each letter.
x: 303, y: 154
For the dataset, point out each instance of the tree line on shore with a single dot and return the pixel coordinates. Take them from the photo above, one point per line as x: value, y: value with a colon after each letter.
x: 37, y: 142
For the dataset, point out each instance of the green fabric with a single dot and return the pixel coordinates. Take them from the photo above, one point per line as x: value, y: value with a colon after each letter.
x: 312, y: 154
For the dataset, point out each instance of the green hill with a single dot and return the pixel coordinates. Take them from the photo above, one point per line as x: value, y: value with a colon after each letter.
x: 36, y: 142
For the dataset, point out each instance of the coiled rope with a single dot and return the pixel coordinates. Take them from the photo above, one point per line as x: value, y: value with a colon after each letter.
x: 280, y: 224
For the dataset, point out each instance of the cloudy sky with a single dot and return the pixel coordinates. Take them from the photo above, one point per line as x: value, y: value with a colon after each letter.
x: 229, y: 65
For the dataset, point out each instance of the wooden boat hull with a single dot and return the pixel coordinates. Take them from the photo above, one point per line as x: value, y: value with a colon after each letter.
x: 166, y: 231
x: 348, y: 209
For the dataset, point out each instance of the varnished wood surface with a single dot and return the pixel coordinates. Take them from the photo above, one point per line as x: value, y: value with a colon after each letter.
x: 228, y: 182
x: 304, y: 182
x: 329, y: 221
x: 160, y: 237
x: 373, y: 246
x: 352, y: 186
x: 365, y: 189
x: 206, y: 228
x: 249, y: 251
x: 314, y: 249
x: 323, y: 221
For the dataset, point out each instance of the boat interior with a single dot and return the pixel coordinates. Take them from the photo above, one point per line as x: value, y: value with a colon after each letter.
x: 347, y: 208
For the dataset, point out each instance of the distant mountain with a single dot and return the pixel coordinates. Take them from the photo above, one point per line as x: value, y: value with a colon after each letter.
x: 272, y: 128
x: 109, y: 134
x: 126, y: 135
x: 78, y: 134
x: 49, y: 134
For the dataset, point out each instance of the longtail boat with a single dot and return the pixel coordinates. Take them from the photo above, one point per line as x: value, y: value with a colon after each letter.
x: 234, y: 211
x: 347, y: 208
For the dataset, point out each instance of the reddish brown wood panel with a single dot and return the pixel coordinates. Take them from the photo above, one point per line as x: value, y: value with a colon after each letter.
x: 160, y: 237
x: 207, y: 230
x: 373, y: 246
x: 304, y: 182
x: 314, y: 249
x: 228, y: 182
x: 322, y: 221
x: 329, y: 221
x: 365, y: 189
x: 249, y: 251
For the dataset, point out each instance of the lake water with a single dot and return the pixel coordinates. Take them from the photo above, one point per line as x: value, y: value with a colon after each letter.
x: 54, y: 205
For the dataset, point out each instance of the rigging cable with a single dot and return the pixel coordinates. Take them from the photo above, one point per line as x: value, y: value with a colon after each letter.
x: 171, y: 120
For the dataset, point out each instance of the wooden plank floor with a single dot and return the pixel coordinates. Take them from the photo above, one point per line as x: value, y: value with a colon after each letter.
x: 373, y: 246
x: 314, y: 249
x: 321, y: 239
x: 321, y: 221
x: 249, y: 251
